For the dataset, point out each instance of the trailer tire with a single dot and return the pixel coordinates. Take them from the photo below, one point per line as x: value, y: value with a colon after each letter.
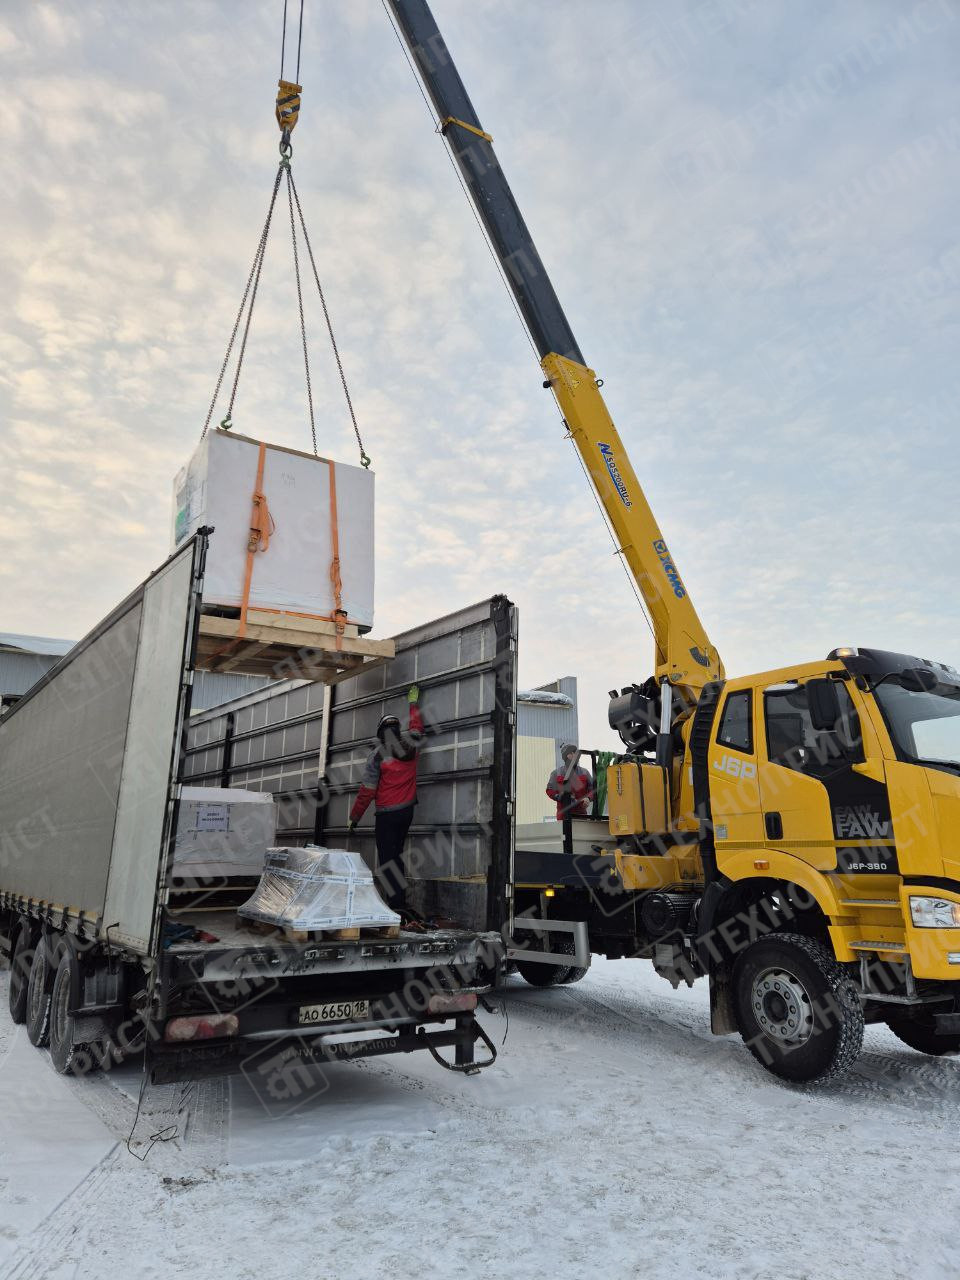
x: 798, y: 1011
x: 919, y: 1031
x: 68, y: 1057
x: 20, y: 974
x: 39, y: 989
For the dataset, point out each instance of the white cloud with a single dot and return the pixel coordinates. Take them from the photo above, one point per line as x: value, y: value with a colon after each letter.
x: 777, y: 340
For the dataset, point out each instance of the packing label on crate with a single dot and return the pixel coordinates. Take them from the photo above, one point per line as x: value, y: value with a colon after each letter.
x: 212, y: 817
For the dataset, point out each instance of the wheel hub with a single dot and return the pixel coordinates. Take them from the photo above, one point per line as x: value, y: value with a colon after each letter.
x: 782, y: 1006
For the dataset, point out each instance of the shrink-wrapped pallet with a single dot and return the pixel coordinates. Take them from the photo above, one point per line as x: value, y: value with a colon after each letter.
x: 317, y: 888
x: 317, y: 523
x: 223, y: 831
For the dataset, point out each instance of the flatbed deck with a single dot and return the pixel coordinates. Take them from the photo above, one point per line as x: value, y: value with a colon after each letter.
x: 240, y: 951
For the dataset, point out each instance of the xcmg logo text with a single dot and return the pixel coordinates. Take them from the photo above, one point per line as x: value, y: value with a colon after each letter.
x: 660, y: 547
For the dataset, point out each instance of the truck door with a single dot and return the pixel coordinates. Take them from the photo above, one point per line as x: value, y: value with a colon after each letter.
x: 805, y: 774
x: 734, y: 781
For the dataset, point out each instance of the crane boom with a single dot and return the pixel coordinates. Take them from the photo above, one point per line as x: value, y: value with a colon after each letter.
x: 684, y: 654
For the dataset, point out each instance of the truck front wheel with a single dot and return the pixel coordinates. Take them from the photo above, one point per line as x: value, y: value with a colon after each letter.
x: 20, y: 974
x: 542, y: 975
x: 919, y: 1031
x: 38, y: 994
x: 798, y: 1011
x: 539, y: 974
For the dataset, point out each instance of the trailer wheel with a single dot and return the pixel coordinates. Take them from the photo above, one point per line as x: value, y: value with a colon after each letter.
x: 38, y: 994
x: 798, y: 1011
x: 919, y: 1031
x: 20, y: 974
x: 67, y: 1055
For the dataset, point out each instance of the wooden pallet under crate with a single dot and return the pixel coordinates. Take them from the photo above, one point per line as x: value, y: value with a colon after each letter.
x: 285, y: 646
x: 379, y: 932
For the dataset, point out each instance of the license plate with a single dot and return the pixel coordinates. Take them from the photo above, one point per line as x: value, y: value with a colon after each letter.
x: 337, y: 1011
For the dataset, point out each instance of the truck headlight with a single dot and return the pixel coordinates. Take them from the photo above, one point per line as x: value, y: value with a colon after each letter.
x: 934, y: 913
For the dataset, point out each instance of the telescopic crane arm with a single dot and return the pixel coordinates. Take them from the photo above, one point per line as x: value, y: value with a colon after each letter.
x: 684, y: 654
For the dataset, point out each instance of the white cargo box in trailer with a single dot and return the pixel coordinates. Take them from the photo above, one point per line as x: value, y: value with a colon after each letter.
x: 223, y: 832
x: 318, y: 525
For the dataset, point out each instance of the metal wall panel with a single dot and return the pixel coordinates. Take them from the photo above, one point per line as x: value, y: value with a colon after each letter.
x: 536, y: 760
x: 550, y: 719
x: 460, y: 843
x: 18, y: 671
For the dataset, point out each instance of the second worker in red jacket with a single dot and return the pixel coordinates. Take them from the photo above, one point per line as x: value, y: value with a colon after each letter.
x: 389, y: 780
x: 570, y: 786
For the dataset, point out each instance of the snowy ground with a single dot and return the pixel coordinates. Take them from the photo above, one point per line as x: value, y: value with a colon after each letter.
x: 614, y: 1138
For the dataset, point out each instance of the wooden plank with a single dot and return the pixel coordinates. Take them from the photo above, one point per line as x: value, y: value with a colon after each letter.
x: 232, y: 661
x: 381, y: 932
x: 297, y: 622
x: 323, y: 640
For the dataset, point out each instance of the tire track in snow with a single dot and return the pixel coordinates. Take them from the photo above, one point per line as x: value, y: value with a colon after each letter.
x: 33, y: 1259
x: 912, y: 1081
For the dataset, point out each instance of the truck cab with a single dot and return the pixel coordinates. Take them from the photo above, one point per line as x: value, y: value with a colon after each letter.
x: 825, y: 799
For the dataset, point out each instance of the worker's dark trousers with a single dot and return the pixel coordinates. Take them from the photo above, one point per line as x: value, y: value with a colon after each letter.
x: 391, y: 830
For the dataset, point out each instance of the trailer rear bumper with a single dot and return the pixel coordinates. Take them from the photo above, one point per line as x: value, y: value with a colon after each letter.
x: 279, y: 1068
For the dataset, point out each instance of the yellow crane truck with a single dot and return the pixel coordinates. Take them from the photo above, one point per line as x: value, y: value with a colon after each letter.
x: 792, y: 836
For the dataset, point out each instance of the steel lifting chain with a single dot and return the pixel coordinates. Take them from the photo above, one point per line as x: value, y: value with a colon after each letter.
x: 253, y: 280
x: 303, y: 323
x: 364, y: 456
x: 287, y: 112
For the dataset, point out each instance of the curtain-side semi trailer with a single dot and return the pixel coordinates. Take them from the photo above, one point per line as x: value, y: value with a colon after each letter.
x: 107, y: 960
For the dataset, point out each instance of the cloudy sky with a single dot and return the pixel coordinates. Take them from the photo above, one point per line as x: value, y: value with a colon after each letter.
x: 749, y: 211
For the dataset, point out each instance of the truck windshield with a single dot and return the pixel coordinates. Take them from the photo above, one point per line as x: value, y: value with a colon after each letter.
x: 925, y: 727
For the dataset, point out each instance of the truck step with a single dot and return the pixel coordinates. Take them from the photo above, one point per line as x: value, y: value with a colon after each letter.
x: 877, y: 945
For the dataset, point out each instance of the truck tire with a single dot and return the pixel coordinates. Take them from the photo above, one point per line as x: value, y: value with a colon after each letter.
x: 798, y: 1011
x: 38, y: 994
x: 67, y: 1056
x: 919, y: 1031
x: 566, y: 944
x: 20, y: 974
x: 546, y: 975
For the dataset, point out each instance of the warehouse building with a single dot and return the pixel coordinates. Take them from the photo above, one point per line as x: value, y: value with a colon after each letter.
x: 546, y: 718
x: 24, y: 659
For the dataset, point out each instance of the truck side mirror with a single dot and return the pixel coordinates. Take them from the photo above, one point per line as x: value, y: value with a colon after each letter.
x: 823, y: 700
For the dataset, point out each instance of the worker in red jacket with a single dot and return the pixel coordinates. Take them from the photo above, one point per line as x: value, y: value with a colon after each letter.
x: 389, y: 780
x: 570, y: 786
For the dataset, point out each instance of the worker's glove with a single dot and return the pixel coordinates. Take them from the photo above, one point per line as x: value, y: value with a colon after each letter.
x: 414, y: 693
x: 352, y: 825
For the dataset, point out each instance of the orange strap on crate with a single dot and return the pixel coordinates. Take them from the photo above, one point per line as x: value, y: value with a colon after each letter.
x: 337, y: 617
x: 261, y: 527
